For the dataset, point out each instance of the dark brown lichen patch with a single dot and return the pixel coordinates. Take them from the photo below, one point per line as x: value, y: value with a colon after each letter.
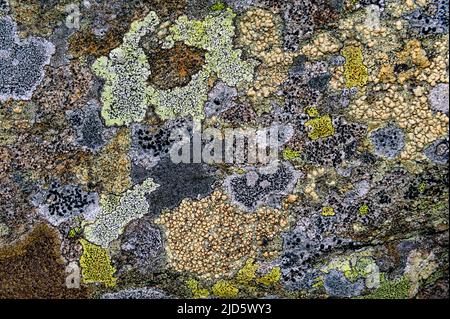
x: 176, y: 66
x: 87, y: 43
x: 33, y: 268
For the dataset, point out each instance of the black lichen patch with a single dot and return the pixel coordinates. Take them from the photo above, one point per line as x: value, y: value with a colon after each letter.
x: 177, y: 181
x: 59, y: 203
x: 256, y: 188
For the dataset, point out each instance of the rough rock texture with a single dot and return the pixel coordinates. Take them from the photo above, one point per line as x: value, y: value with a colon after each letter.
x: 154, y: 149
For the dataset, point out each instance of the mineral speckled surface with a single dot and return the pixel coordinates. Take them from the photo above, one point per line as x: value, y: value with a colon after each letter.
x: 289, y: 149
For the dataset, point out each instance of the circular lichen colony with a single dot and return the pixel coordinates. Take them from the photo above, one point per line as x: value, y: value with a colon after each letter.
x: 212, y: 238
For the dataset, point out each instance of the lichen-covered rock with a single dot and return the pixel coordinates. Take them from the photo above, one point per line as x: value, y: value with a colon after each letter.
x: 110, y: 224
x: 438, y: 151
x: 257, y: 149
x: 388, y: 141
x: 438, y: 98
x: 258, y: 187
x: 137, y: 293
x: 59, y: 203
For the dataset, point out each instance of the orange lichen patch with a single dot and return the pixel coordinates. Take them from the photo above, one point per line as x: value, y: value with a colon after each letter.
x: 176, y: 66
x: 110, y: 171
x: 33, y: 268
x: 87, y: 43
x: 409, y: 64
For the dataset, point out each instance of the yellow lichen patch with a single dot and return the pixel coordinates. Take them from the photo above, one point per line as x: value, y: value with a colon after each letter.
x: 328, y: 211
x: 96, y: 265
x: 247, y: 273
x: 197, y: 292
x: 111, y: 169
x: 225, y: 289
x: 355, y: 72
x: 363, y: 209
x: 321, y: 127
x: 211, y: 237
x: 271, y: 278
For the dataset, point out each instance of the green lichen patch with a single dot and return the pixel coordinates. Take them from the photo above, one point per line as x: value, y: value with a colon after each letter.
x: 96, y: 265
x: 321, y: 127
x: 355, y: 72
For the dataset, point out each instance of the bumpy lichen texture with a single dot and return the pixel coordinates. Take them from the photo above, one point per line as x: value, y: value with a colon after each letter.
x: 96, y: 265
x: 202, y: 235
x: 126, y: 71
x: 22, y: 62
x: 127, y: 96
x: 110, y: 222
x: 154, y: 149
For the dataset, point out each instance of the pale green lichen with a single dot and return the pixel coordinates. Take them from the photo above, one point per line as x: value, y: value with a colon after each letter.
x: 357, y: 265
x: 126, y: 72
x: 109, y: 225
x: 4, y: 230
x: 391, y: 289
x: 215, y: 35
x: 127, y: 95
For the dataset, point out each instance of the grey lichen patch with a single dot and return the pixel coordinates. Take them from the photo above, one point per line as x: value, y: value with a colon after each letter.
x: 388, y: 142
x: 22, y: 62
